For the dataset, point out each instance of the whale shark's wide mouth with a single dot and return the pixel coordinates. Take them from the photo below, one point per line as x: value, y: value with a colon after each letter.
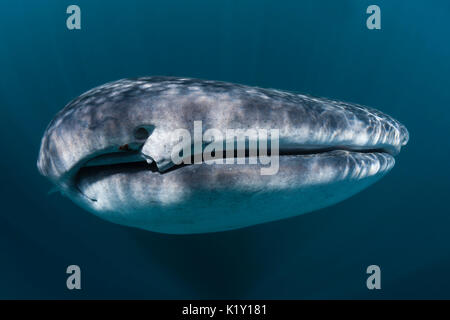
x: 117, y: 161
x: 132, y: 162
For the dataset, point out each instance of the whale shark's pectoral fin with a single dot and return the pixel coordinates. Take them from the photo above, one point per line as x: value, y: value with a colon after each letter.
x: 167, y: 148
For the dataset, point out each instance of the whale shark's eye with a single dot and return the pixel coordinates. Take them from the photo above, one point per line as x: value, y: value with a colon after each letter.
x: 141, y: 133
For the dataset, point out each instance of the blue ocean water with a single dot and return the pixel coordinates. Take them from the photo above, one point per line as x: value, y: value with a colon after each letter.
x: 320, y: 47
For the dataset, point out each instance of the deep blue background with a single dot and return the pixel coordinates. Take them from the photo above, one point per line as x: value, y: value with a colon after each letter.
x: 317, y: 47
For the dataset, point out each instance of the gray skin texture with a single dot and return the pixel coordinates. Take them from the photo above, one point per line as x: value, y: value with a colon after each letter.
x: 329, y: 150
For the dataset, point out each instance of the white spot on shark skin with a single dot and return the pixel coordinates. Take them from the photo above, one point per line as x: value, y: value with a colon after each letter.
x: 114, y: 94
x: 100, y: 100
x: 172, y: 91
x: 146, y: 86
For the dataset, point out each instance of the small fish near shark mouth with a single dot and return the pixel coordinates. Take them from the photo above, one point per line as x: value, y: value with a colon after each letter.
x: 112, y: 149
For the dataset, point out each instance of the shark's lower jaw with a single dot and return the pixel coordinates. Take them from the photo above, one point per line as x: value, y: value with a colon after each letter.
x: 204, y: 197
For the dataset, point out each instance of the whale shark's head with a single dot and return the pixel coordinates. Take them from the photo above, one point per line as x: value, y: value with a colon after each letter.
x: 110, y: 151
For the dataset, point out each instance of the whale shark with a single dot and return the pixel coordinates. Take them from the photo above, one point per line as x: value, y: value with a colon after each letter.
x: 110, y: 151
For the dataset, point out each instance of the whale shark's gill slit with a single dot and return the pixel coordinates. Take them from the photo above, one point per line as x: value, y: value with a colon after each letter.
x: 84, y: 195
